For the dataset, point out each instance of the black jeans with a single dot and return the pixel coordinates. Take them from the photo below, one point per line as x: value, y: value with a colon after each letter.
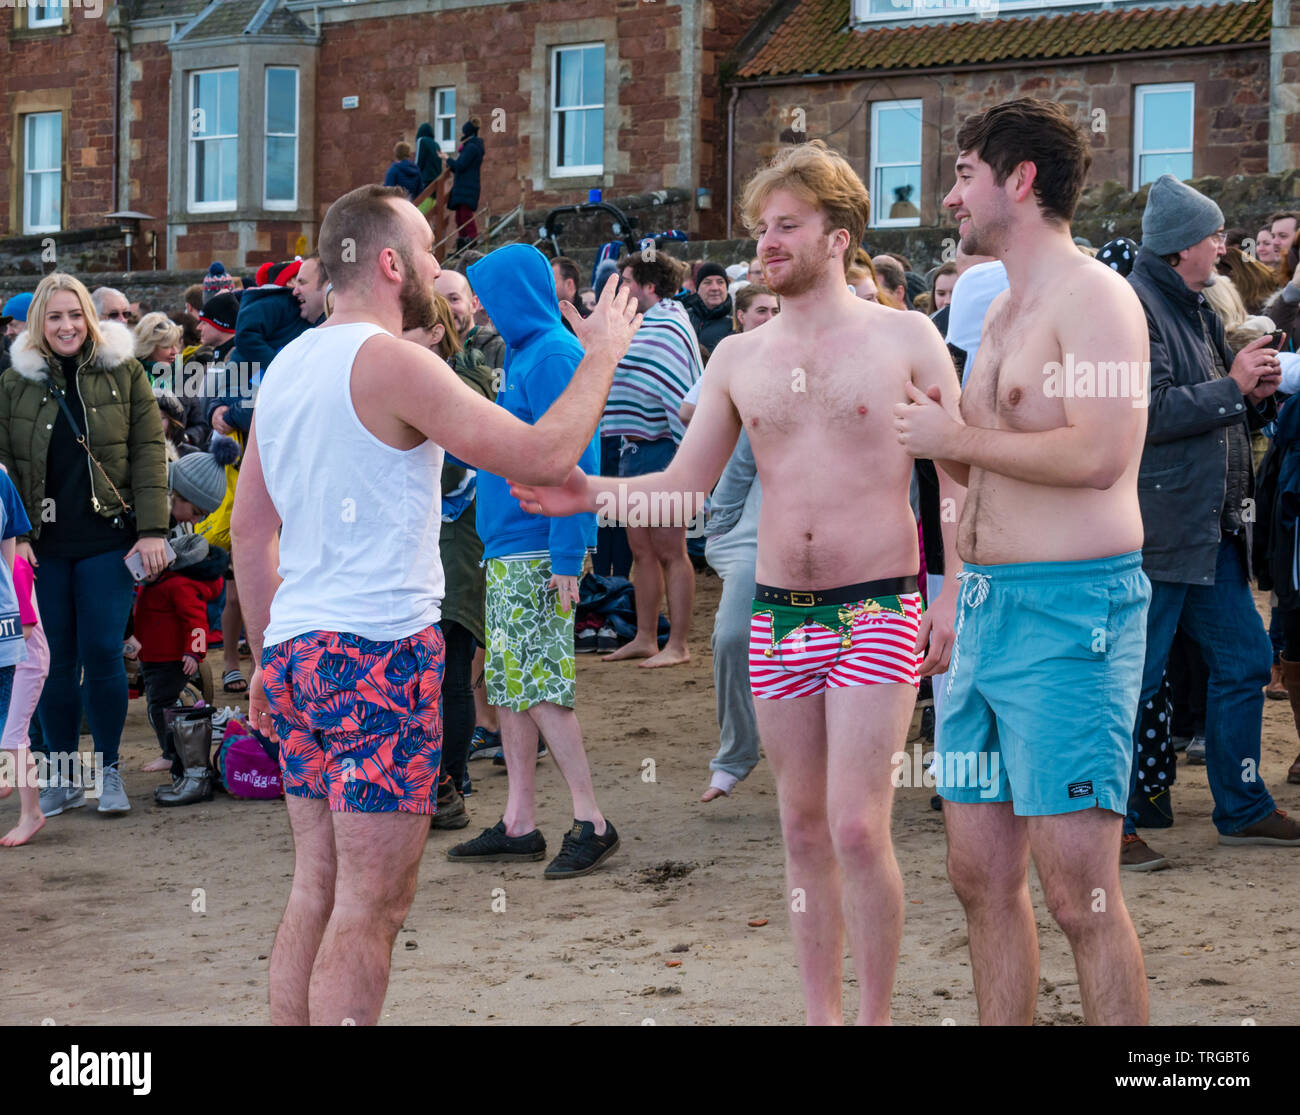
x: 457, y: 699
x: 1189, y: 682
x: 613, y: 554
x: 163, y: 683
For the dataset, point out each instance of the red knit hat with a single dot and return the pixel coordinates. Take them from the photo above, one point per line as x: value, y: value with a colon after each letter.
x: 281, y: 274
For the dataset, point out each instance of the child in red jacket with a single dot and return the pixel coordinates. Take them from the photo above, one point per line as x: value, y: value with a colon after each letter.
x: 171, y: 625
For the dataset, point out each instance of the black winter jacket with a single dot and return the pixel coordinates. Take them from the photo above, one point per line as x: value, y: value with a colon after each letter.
x: 1183, y: 476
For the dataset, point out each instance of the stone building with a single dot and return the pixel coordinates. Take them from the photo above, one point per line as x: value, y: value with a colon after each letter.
x: 1196, y: 89
x: 234, y: 123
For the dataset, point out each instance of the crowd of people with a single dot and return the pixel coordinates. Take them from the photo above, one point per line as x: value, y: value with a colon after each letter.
x: 1068, y: 511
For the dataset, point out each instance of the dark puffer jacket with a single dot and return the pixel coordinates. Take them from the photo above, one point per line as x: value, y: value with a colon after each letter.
x: 120, y: 417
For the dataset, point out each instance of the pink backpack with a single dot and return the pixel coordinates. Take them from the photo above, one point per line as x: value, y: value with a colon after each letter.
x: 246, y: 770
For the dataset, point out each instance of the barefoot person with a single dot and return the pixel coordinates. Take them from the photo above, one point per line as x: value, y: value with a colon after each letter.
x: 336, y: 544
x: 644, y: 404
x: 837, y: 631
x: 1042, y: 693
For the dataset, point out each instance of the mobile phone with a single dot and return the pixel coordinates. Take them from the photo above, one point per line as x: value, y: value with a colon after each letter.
x: 135, y: 562
x: 1277, y: 338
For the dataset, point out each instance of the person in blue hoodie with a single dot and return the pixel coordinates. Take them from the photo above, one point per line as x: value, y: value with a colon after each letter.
x: 533, y: 566
x: 403, y: 171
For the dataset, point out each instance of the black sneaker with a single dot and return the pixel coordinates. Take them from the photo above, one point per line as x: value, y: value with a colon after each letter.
x: 493, y: 844
x: 606, y: 640
x: 584, y: 641
x: 542, y: 752
x: 582, y: 851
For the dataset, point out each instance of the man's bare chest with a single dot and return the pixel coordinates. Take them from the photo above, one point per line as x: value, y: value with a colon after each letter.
x: 1010, y: 384
x: 830, y: 393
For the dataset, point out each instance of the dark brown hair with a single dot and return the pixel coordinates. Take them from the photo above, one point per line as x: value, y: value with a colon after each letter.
x: 1033, y: 131
x: 568, y: 269
x: 356, y: 228
x: 948, y: 268
x: 663, y: 274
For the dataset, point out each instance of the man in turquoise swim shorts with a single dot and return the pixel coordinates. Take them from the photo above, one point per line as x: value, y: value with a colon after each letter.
x: 1042, y: 689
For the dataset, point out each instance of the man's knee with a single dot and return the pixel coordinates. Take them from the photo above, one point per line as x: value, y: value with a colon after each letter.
x: 859, y: 840
x: 806, y: 831
x: 981, y: 878
x: 1075, y: 906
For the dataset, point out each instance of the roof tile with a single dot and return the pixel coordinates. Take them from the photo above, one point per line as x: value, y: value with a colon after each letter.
x: 816, y: 38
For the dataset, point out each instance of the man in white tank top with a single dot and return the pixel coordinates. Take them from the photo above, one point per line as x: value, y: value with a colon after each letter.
x: 335, y: 525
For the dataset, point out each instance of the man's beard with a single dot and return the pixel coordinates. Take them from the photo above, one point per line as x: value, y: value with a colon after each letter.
x: 984, y: 241
x: 415, y: 298
x: 803, y: 273
x: 464, y: 323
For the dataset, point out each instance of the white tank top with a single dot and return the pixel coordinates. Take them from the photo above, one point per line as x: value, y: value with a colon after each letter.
x: 359, y: 545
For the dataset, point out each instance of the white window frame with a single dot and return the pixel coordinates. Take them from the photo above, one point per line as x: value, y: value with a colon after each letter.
x: 191, y: 146
x: 35, y: 20
x: 557, y: 171
x: 879, y: 206
x: 1139, y: 93
x: 268, y: 135
x: 446, y: 146
x: 30, y: 228
x: 907, y: 11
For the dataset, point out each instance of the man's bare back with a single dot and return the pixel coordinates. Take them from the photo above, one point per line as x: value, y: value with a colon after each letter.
x: 1014, y: 520
x: 818, y: 410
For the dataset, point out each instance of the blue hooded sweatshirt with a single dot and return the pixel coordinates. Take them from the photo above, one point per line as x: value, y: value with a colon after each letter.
x: 517, y: 288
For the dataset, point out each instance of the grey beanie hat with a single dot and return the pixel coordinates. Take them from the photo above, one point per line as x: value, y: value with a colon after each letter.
x: 190, y: 550
x: 200, y: 479
x: 1177, y: 216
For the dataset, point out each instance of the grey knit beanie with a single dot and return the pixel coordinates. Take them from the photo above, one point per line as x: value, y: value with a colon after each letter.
x: 200, y: 479
x: 1177, y: 216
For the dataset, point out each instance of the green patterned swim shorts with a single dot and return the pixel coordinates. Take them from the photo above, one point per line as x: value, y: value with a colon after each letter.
x: 530, y: 641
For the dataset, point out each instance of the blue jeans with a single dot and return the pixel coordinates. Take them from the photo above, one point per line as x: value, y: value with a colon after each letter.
x: 1221, y: 619
x: 84, y: 606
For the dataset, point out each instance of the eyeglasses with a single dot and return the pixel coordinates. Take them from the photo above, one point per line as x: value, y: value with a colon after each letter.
x: 116, y: 315
x: 1220, y: 237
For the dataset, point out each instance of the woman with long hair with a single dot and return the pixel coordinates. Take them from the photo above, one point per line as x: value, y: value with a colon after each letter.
x: 1283, y: 305
x: 82, y: 439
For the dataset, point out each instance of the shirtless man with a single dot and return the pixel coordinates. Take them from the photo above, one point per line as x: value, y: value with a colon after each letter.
x: 348, y: 596
x: 835, y: 650
x: 1051, y: 632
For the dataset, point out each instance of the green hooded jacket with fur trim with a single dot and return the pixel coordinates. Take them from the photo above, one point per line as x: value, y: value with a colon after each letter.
x: 120, y: 417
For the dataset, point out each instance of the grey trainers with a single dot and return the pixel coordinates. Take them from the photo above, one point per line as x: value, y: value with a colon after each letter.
x: 112, y: 798
x: 1196, y: 752
x: 58, y: 796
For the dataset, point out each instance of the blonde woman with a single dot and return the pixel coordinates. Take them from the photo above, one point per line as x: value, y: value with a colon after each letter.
x: 91, y: 508
x: 157, y: 343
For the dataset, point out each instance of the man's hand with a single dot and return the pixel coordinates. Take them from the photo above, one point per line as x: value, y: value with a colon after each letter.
x: 24, y: 551
x: 610, y: 325
x: 937, y: 626
x: 572, y: 499
x: 566, y: 589
x: 925, y: 429
x: 189, y: 664
x: 1254, y: 362
x: 219, y: 422
x: 131, y: 648
x: 154, y: 553
x: 259, y: 708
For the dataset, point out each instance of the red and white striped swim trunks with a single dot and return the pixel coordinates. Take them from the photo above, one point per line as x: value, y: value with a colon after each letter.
x: 799, y: 652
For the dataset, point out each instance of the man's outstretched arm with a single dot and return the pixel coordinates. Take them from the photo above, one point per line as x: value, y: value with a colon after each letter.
x: 688, y: 479
x: 429, y: 397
